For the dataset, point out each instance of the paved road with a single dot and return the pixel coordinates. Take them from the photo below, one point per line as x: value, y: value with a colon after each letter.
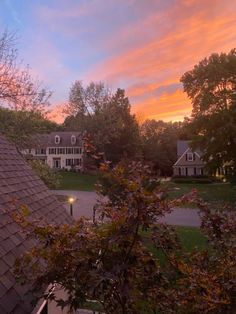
x: 83, y: 206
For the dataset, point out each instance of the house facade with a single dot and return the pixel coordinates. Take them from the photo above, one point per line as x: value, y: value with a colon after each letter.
x: 59, y: 150
x: 189, y: 162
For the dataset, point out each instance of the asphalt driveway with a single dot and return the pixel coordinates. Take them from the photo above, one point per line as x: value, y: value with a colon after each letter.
x: 84, y: 202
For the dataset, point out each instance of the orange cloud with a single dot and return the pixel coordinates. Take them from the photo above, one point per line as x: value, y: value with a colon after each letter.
x: 140, y: 89
x: 197, y: 29
x: 168, y: 107
x: 56, y: 113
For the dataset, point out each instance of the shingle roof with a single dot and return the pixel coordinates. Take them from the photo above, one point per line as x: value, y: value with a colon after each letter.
x: 48, y: 140
x: 65, y: 139
x: 20, y: 186
x: 182, y: 146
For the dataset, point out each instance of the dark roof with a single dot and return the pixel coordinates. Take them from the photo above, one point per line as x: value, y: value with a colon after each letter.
x: 182, y: 146
x: 40, y: 141
x: 20, y: 186
x: 48, y: 140
x: 65, y: 139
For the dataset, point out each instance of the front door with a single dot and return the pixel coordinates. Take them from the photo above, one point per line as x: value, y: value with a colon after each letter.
x: 57, y: 163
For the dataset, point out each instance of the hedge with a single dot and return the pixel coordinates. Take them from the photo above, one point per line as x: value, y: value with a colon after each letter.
x: 192, y: 179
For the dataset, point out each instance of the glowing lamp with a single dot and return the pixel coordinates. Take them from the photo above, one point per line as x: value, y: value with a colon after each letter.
x: 71, y: 201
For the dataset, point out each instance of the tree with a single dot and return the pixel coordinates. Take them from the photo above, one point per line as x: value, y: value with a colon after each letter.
x: 45, y: 173
x: 87, y: 100
x: 159, y: 141
x: 21, y: 126
x: 211, y: 86
x: 17, y: 88
x: 22, y: 100
x: 106, y: 117
x: 112, y: 263
x: 124, y: 138
x: 85, y: 108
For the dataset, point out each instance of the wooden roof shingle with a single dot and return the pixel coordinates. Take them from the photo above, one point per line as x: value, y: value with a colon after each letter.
x: 19, y: 185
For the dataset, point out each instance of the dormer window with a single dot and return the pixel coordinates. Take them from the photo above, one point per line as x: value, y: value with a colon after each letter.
x: 73, y: 139
x: 57, y: 139
x: 190, y: 156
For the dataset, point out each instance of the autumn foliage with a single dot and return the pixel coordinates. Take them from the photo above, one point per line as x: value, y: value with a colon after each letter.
x: 109, y: 261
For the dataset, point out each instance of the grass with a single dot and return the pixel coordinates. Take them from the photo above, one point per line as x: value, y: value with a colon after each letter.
x: 190, y: 238
x: 77, y: 181
x: 93, y: 306
x: 215, y: 193
x: 212, y: 193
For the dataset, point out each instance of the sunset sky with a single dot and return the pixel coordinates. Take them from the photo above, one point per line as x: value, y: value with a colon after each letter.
x: 143, y: 46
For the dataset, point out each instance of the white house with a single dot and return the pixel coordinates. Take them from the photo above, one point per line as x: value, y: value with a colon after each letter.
x: 60, y: 150
x: 189, y: 162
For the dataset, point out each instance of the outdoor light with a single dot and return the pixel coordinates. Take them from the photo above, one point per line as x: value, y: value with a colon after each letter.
x: 71, y: 201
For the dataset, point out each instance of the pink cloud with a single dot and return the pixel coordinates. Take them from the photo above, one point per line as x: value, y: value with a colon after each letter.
x: 56, y: 113
x: 146, y: 53
x: 197, y: 30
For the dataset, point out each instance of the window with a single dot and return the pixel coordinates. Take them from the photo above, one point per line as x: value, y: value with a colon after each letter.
x: 78, y: 150
x: 189, y: 157
x: 57, y: 139
x: 52, y: 151
x: 40, y: 151
x: 69, y: 162
x: 78, y: 162
x: 69, y: 150
x: 73, y: 139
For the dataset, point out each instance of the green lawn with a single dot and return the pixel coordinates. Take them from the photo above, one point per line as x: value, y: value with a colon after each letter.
x: 190, y: 238
x: 77, y: 181
x: 213, y: 193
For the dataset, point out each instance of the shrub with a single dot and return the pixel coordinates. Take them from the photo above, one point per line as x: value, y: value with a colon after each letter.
x: 192, y: 179
x: 46, y: 174
x: 232, y: 179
